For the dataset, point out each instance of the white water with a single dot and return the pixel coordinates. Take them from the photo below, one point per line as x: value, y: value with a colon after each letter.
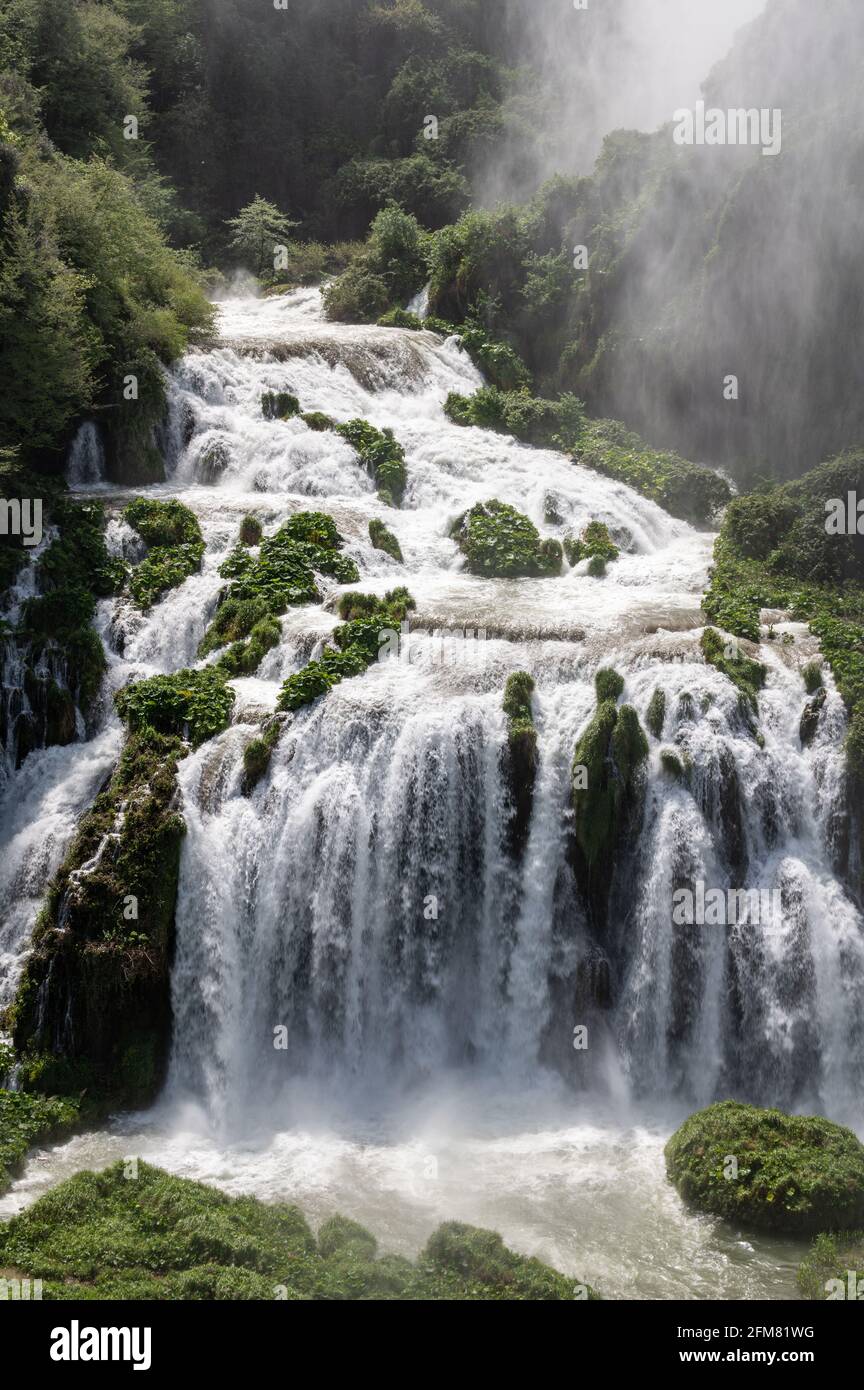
x: 414, y: 1038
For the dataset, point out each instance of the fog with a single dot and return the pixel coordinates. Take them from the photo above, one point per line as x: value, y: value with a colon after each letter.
x: 618, y: 63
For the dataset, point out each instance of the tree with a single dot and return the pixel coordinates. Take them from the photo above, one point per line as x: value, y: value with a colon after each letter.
x: 257, y: 230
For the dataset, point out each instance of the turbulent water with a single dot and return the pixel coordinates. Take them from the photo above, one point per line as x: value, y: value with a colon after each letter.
x: 362, y: 901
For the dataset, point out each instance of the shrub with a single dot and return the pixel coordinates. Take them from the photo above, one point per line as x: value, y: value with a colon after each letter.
x: 381, y: 456
x: 171, y: 531
x: 193, y: 704
x: 383, y: 539
x: 793, y: 1173
x: 279, y: 405
x: 251, y: 530
x: 497, y: 540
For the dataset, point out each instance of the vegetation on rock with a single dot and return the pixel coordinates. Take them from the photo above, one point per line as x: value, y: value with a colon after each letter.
x: 26, y: 1120
x: 520, y: 757
x: 358, y: 644
x: 193, y: 704
x: 825, y: 1273
x: 154, y: 1236
x: 382, y: 457
x: 497, y: 541
x: 175, y: 547
x: 383, y: 539
x: 767, y: 1170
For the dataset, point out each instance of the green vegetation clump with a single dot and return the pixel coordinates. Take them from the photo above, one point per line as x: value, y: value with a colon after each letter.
x: 824, y: 1274
x: 791, y: 1173
x: 279, y: 405
x: 812, y: 677
x: 187, y: 704
x: 154, y: 1236
x: 595, y: 543
x: 672, y: 765
x: 358, y: 643
x: 684, y: 489
x: 26, y: 1120
x: 318, y: 421
x: 497, y: 541
x: 258, y: 752
x: 175, y: 547
x: 521, y: 756
x: 383, y: 539
x: 606, y: 783
x: 251, y: 530
x: 655, y: 716
x: 382, y: 457
x: 390, y: 269
x: 609, y: 684
x: 400, y: 318
x: 774, y: 551
x: 282, y: 576
x: 92, y: 1012
x: 749, y: 676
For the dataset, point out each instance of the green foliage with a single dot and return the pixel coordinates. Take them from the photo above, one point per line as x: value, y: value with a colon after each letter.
x: 496, y: 540
x: 26, y: 1120
x: 358, y: 643
x: 831, y: 1258
x: 655, y: 717
x: 279, y: 405
x: 672, y: 765
x: 175, y: 543
x: 749, y: 676
x: 193, y: 704
x: 817, y: 576
x: 517, y: 704
x: 685, y: 489
x: 256, y: 230
x: 317, y: 420
x: 390, y: 269
x: 595, y: 543
x: 251, y: 530
x: 108, y: 1236
x: 382, y: 457
x: 608, y: 684
x: 258, y: 752
x: 383, y: 539
x: 796, y: 1174
x: 812, y: 677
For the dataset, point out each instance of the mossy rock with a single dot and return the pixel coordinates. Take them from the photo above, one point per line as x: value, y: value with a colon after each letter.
x: 175, y: 547
x: 498, y: 541
x: 381, y: 455
x: 834, y: 1269
x: 520, y: 758
x: 655, y: 716
x: 595, y: 544
x: 143, y: 1234
x: 279, y: 405
x: 810, y: 718
x: 813, y: 677
x: 726, y: 656
x: 358, y: 643
x: 383, y: 539
x: 318, y: 421
x: 791, y: 1173
x: 251, y: 530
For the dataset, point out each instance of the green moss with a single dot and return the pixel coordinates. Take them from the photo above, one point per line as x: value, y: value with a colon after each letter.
x: 655, y: 716
x: 748, y: 676
x: 498, y: 541
x: 193, y: 704
x: 139, y: 1233
x: 358, y: 643
x: 258, y: 752
x: 26, y: 1120
x: 832, y: 1258
x: 93, y: 1009
x: 812, y: 677
x: 608, y: 684
x: 382, y: 457
x: 400, y: 318
x: 318, y: 421
x: 279, y: 405
x: 383, y: 539
x: 595, y: 543
x: 672, y: 765
x: 171, y: 531
x: 521, y: 756
x: 791, y: 1173
x: 251, y: 530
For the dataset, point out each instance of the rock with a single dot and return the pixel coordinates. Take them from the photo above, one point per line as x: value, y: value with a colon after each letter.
x: 767, y: 1170
x: 810, y: 718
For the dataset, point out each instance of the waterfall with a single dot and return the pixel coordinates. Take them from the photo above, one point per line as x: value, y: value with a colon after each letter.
x: 86, y: 464
x: 361, y: 919
x: 361, y: 906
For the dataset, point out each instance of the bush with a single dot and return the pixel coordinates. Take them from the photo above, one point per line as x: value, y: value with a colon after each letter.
x: 279, y: 405
x: 175, y: 543
x: 496, y: 540
x: 383, y: 539
x: 193, y: 704
x: 793, y: 1173
x: 381, y: 456
x: 251, y: 530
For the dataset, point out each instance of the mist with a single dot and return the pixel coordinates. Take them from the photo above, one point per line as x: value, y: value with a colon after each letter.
x: 617, y: 64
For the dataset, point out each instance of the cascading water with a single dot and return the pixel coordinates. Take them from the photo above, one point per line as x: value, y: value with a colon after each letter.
x: 356, y: 934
